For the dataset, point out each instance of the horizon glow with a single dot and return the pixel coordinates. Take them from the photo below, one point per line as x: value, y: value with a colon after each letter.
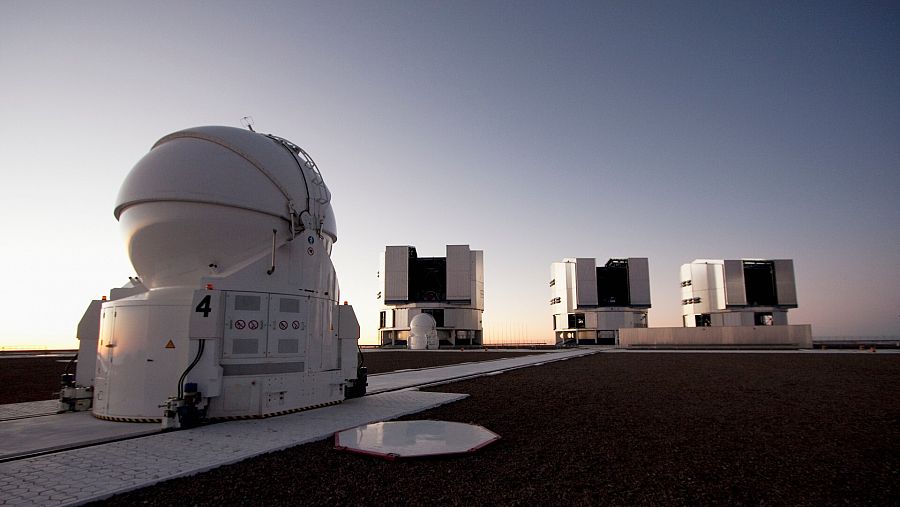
x: 532, y: 131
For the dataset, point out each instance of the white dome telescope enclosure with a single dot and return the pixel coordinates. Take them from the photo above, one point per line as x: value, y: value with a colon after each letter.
x: 423, y: 332
x: 235, y: 311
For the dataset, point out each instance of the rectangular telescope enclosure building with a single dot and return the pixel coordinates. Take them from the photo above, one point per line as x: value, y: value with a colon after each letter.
x: 450, y: 289
x: 591, y: 303
x: 745, y: 292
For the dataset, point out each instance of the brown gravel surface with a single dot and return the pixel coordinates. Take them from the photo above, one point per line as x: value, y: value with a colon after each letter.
x: 635, y: 428
x: 31, y: 378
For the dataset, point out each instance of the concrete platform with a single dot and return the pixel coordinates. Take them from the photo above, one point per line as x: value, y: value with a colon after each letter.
x: 424, y: 376
x: 783, y: 336
x: 28, y: 409
x: 136, y: 459
x: 71, y: 477
x: 35, y: 427
x: 21, y: 437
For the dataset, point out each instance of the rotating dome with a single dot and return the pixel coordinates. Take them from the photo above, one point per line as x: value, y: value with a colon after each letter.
x: 423, y: 332
x: 213, y: 329
x: 212, y: 196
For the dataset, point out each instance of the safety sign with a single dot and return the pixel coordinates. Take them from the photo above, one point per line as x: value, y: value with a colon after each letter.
x: 254, y: 324
x: 240, y: 324
x: 282, y: 325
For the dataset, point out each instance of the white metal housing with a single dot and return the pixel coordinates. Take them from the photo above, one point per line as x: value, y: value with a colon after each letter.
x: 590, y: 303
x: 423, y: 332
x: 230, y: 233
x: 743, y: 292
x: 450, y: 289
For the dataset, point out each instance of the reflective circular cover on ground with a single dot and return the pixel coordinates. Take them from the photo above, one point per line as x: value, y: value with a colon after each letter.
x: 406, y: 439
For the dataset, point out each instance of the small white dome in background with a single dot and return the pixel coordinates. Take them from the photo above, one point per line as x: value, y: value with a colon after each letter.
x: 423, y: 332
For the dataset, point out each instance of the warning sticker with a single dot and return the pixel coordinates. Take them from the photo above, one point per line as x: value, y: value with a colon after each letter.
x: 311, y: 251
x: 295, y: 324
x: 240, y: 324
x: 282, y: 325
x: 254, y: 324
x: 170, y: 345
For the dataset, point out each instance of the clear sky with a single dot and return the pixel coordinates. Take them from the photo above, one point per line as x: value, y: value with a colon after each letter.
x: 531, y: 130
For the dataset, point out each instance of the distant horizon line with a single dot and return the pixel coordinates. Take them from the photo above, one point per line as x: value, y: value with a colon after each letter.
x: 45, y: 348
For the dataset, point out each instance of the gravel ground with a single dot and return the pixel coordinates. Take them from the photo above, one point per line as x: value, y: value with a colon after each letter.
x: 30, y: 379
x: 641, y: 428
x: 37, y: 378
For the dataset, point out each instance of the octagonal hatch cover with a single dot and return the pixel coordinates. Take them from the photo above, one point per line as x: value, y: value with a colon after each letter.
x: 411, y: 439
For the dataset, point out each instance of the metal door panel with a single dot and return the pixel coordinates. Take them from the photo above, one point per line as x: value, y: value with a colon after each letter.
x: 246, y: 324
x: 289, y: 322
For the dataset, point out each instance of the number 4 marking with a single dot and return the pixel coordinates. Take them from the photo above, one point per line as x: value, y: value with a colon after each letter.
x: 204, y: 307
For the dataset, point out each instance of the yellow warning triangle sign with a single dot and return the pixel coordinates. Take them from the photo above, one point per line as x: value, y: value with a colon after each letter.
x: 170, y: 345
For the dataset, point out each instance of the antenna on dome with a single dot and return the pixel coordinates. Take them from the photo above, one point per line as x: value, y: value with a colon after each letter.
x: 247, y: 121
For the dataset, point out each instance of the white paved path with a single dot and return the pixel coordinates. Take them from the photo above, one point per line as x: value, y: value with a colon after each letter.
x: 424, y: 376
x: 92, y: 473
x: 28, y: 409
x: 22, y: 437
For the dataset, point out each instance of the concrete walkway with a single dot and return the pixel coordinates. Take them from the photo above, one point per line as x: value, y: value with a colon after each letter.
x: 22, y: 437
x: 91, y: 473
x: 424, y: 376
x: 28, y: 409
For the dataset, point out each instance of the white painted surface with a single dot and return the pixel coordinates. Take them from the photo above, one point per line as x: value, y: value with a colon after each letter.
x: 579, y: 276
x: 405, y: 439
x: 28, y: 409
x: 462, y: 303
x: 396, y: 273
x: 459, y: 273
x: 423, y: 332
x: 424, y: 376
x: 639, y: 281
x: 62, y: 431
x: 585, y: 282
x: 759, y: 336
x: 210, y: 215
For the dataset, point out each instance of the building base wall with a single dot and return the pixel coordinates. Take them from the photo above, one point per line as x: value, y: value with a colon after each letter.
x: 738, y: 317
x: 569, y: 337
x: 446, y: 337
x: 596, y: 326
x: 799, y: 336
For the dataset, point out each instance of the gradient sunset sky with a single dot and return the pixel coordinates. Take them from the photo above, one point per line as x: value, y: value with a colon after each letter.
x: 531, y: 130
